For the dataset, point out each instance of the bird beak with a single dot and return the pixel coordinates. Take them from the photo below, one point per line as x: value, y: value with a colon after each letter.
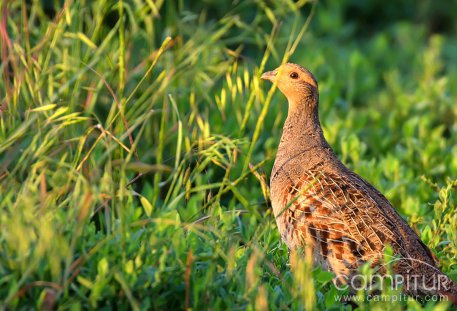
x: 269, y: 75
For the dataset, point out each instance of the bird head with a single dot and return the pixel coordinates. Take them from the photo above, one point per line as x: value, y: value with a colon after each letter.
x: 294, y: 81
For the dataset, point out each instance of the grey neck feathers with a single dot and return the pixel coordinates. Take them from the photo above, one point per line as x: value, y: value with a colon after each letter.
x: 302, y: 132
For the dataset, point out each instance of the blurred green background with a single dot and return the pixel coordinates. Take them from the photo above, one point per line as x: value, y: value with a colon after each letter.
x: 136, y: 139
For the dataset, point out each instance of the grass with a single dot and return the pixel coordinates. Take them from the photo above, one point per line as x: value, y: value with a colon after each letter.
x: 135, y: 138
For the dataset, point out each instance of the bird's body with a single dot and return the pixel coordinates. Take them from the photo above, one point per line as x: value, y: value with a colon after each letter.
x: 319, y: 203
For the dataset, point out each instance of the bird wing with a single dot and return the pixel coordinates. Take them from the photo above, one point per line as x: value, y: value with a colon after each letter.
x: 337, y: 217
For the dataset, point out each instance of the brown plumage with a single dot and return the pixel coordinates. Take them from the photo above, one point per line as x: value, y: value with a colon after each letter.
x: 319, y: 203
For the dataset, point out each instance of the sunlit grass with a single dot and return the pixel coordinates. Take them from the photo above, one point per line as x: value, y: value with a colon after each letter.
x: 136, y: 141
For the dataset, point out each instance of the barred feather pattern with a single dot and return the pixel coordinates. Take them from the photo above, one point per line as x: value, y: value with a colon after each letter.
x: 335, y: 217
x: 345, y: 227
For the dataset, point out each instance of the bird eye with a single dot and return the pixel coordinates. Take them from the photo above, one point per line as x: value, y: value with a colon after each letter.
x: 293, y: 75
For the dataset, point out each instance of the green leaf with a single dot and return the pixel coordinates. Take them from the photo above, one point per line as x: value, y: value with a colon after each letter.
x: 146, y: 205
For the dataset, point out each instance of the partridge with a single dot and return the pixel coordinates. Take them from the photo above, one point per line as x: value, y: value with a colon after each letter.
x: 319, y: 203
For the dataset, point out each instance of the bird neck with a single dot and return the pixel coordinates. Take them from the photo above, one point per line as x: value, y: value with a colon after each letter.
x: 303, y: 122
x: 302, y: 132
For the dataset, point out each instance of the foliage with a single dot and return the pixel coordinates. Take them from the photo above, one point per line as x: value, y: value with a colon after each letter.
x: 135, y: 137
